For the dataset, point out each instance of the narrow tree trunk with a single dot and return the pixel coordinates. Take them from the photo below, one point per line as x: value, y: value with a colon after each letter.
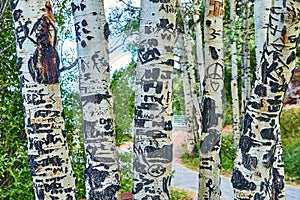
x: 38, y: 61
x: 199, y: 46
x: 190, y: 66
x: 261, y: 17
x: 234, y: 79
x: 245, y: 58
x: 101, y: 172
x: 210, y: 145
x: 188, y: 105
x: 153, y: 101
x: 258, y: 171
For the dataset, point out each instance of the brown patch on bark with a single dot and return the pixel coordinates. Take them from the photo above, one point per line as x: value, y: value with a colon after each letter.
x: 284, y: 35
x: 217, y: 8
x: 49, y: 11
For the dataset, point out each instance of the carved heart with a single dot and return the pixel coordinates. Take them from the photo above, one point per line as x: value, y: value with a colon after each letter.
x: 215, y: 85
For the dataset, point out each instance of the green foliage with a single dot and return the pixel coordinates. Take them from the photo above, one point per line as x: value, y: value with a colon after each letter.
x: 228, y: 153
x: 177, y: 96
x: 126, y: 174
x: 15, y: 180
x: 290, y: 133
x: 122, y: 85
x: 181, y: 194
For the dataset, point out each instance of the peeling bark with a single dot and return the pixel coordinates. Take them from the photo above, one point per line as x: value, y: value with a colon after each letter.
x: 38, y: 61
x: 102, y: 171
x: 212, y: 112
x: 153, y: 101
x: 258, y: 171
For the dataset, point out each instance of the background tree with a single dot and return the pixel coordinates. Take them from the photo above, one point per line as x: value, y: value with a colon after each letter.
x: 258, y: 171
x: 38, y: 63
x: 153, y: 101
x: 210, y: 144
x: 102, y: 170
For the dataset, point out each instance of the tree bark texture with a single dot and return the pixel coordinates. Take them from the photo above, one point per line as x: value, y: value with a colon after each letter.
x: 258, y: 171
x: 210, y: 145
x: 234, y: 78
x: 245, y: 58
x: 153, y: 101
x: 38, y: 61
x: 190, y: 67
x: 199, y: 46
x: 102, y: 171
x: 188, y: 103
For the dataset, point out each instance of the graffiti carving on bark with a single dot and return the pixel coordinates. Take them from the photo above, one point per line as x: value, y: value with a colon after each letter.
x: 48, y: 159
x: 210, y: 143
x: 153, y: 109
x: 101, y: 172
x: 259, y: 162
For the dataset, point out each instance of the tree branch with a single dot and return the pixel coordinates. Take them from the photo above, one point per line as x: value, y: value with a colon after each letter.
x: 70, y: 66
x: 129, y: 5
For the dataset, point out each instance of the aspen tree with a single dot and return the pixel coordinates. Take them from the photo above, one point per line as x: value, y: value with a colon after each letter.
x: 153, y: 101
x: 101, y: 171
x: 258, y: 170
x: 38, y: 61
x: 234, y: 78
x: 212, y: 112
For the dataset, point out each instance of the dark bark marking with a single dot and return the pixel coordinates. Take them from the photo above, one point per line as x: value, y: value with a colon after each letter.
x: 147, y: 50
x: 240, y: 182
x: 163, y: 154
x: 77, y: 7
x: 249, y: 162
x: 214, y: 53
x: 291, y: 58
x: 13, y: 4
x: 210, y: 141
x: 106, y: 31
x: 210, y: 117
x: 267, y: 133
x: 260, y: 90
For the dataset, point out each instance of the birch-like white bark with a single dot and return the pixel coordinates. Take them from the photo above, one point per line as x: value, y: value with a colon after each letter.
x: 199, y: 46
x: 153, y: 101
x: 245, y: 58
x: 212, y: 112
x: 258, y: 171
x: 234, y: 78
x: 188, y: 105
x: 190, y: 66
x: 102, y: 171
x: 38, y: 61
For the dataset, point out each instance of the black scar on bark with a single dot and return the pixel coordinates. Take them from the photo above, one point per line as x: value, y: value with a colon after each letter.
x: 17, y: 14
x: 267, y: 133
x: 258, y: 196
x: 106, y: 31
x: 210, y: 141
x: 291, y: 58
x: 210, y: 118
x: 249, y: 162
x: 208, y: 22
x: 214, y: 53
x: 276, y: 87
x: 278, y: 183
x: 247, y: 123
x: 269, y: 157
x: 164, y: 154
x: 95, y: 177
x: 245, y: 144
x: 260, y: 90
x: 107, y: 193
x: 13, y: 4
x: 32, y: 164
x: 240, y: 182
x: 140, y: 186
x: 166, y: 184
x: 39, y: 192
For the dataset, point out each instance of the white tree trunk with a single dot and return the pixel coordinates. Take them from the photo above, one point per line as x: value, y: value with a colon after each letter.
x: 199, y: 46
x: 153, y: 101
x: 102, y: 171
x: 245, y: 58
x: 258, y: 171
x: 210, y: 145
x: 38, y: 61
x: 188, y: 102
x: 234, y: 79
x: 261, y: 19
x: 190, y: 66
